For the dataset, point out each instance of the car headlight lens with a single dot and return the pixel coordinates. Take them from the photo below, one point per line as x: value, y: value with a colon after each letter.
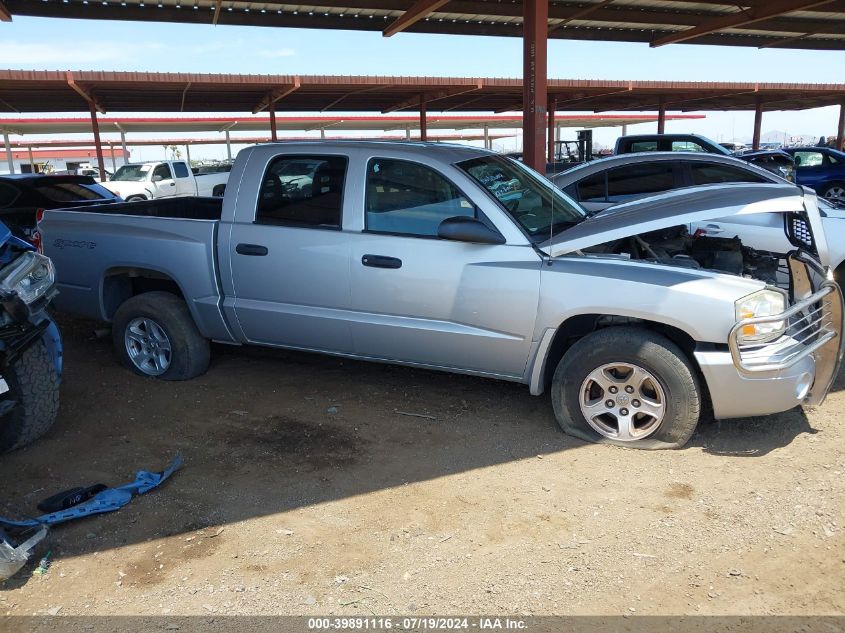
x: 30, y: 276
x: 761, y: 304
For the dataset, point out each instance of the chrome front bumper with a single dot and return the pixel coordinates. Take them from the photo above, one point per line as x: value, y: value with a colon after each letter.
x: 814, y: 328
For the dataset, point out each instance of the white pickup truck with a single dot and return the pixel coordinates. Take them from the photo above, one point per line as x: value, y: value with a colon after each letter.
x: 164, y: 179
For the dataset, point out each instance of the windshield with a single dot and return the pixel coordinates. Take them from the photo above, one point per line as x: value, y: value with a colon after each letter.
x: 539, y: 207
x: 132, y: 173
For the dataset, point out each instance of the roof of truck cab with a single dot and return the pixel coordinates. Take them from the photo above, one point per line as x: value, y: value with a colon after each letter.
x: 450, y: 152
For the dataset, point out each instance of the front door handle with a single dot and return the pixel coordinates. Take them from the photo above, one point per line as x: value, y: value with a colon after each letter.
x: 251, y: 249
x: 380, y: 261
x: 713, y: 229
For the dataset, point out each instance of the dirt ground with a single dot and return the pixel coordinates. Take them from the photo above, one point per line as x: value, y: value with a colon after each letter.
x: 306, y: 491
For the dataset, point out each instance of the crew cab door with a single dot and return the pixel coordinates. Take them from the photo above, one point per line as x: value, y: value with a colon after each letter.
x: 289, y: 258
x: 185, y: 185
x: 162, y: 181
x: 436, y: 302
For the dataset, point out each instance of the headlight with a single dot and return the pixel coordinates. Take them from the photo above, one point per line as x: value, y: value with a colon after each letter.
x: 761, y: 304
x: 30, y: 276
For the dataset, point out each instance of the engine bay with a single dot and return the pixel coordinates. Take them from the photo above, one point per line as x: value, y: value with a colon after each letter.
x: 675, y: 246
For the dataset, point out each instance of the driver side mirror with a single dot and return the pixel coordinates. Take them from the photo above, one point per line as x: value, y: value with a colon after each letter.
x: 158, y: 178
x: 465, y: 229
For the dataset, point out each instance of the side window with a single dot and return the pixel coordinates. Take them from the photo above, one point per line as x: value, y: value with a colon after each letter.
x: 809, y: 159
x: 833, y: 160
x: 633, y: 181
x: 163, y: 171
x: 687, y: 146
x: 181, y: 170
x: 8, y: 194
x: 644, y: 146
x: 593, y: 188
x: 303, y: 191
x: 708, y: 174
x: 410, y: 199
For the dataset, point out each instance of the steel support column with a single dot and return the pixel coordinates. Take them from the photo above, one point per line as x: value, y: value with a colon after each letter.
x: 423, y: 119
x: 188, y: 153
x: 9, y: 158
x: 228, y: 146
x: 535, y: 18
x: 322, y: 134
x: 31, y: 160
x: 551, y: 132
x: 123, y: 145
x: 661, y: 115
x: 840, y: 130
x: 272, y: 110
x: 758, y: 123
x: 624, y: 130
x: 407, y: 132
x: 98, y: 146
x: 113, y: 159
x: 487, y: 136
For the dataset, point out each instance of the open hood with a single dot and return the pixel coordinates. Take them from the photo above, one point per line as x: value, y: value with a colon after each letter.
x: 685, y: 206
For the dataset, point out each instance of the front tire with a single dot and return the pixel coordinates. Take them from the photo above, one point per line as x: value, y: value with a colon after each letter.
x: 629, y: 387
x: 834, y: 191
x: 155, y: 336
x: 136, y: 199
x: 34, y: 383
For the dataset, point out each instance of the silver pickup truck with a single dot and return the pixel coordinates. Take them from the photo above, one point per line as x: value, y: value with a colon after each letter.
x: 459, y: 259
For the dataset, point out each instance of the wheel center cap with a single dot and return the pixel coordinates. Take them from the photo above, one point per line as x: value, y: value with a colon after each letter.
x: 623, y: 399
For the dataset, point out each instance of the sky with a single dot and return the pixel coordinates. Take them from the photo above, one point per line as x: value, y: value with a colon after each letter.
x: 44, y: 44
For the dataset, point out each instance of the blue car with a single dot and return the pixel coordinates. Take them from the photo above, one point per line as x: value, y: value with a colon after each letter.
x: 820, y: 168
x: 30, y: 345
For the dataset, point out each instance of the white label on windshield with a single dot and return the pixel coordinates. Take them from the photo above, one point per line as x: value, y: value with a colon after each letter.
x: 146, y: 168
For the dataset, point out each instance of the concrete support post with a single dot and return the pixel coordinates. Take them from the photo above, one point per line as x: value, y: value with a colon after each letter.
x: 98, y: 146
x: 840, y: 130
x: 661, y: 115
x: 9, y: 158
x: 551, y: 133
x: 758, y: 124
x: 228, y: 146
x: 423, y: 119
x: 272, y: 109
x: 487, y: 143
x: 535, y: 19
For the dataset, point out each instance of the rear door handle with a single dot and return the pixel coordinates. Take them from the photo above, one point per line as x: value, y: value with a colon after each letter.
x: 380, y: 261
x: 251, y: 249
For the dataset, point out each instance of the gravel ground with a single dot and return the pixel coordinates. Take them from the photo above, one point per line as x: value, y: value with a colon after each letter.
x: 307, y: 490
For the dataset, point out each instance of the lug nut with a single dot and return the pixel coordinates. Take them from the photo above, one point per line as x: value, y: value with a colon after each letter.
x: 623, y: 411
x: 629, y: 389
x: 613, y: 390
x: 609, y: 404
x: 635, y: 403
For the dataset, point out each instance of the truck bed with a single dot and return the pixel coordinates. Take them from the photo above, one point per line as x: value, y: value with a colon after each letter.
x: 179, y: 208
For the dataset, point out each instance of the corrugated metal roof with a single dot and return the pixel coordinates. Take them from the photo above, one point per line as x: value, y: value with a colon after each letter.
x: 816, y: 24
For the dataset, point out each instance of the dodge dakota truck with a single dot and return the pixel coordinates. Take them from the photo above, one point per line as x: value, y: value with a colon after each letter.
x: 165, y: 179
x: 459, y: 259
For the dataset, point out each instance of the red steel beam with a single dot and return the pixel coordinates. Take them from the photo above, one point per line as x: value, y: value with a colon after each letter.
x: 771, y: 9
x: 277, y: 95
x: 840, y: 130
x: 423, y: 119
x: 271, y: 108
x: 535, y: 21
x: 84, y: 93
x: 758, y: 124
x: 417, y: 12
x: 95, y: 127
x: 5, y: 14
x: 661, y: 115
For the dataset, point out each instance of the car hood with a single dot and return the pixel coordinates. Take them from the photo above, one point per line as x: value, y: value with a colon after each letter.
x: 120, y: 187
x: 685, y: 206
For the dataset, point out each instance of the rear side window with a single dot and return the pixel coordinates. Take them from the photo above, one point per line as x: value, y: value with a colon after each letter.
x: 71, y: 191
x: 633, y: 181
x: 298, y: 196
x: 593, y: 188
x: 181, y: 170
x: 410, y: 199
x: 8, y: 194
x: 687, y: 146
x: 809, y: 159
x: 708, y: 174
x: 643, y: 146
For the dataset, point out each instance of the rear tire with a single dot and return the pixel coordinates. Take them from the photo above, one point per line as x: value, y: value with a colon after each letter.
x: 34, y: 382
x: 135, y: 199
x: 660, y: 397
x: 834, y: 191
x: 155, y: 335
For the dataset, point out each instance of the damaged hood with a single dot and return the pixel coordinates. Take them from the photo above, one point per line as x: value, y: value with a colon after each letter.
x: 685, y: 206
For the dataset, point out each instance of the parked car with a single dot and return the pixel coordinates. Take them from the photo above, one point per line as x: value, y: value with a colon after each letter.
x: 460, y: 259
x: 165, y: 179
x: 30, y: 345
x: 23, y: 197
x: 93, y: 172
x: 775, y: 161
x: 605, y: 183
x: 822, y: 168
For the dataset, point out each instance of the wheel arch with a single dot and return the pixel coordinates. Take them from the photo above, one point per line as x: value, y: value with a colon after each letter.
x: 121, y: 283
x: 555, y: 343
